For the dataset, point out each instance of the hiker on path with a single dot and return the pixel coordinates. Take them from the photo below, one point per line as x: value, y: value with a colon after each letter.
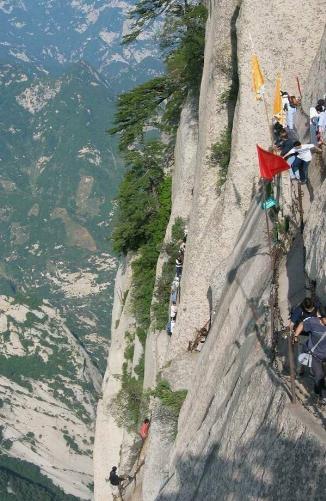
x: 174, y: 290
x: 316, y: 345
x: 168, y: 328
x: 284, y: 143
x: 116, y: 481
x: 308, y: 308
x: 173, y: 310
x: 178, y: 265
x: 182, y: 247
x: 144, y: 429
x: 291, y: 109
x: 321, y: 125
x: 314, y: 114
x: 114, y: 478
x: 302, y: 158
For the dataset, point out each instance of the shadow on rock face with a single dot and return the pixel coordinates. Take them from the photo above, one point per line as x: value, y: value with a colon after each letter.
x: 269, y: 466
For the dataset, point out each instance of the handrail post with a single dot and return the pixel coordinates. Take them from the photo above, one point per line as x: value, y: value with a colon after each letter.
x: 300, y: 207
x: 292, y: 368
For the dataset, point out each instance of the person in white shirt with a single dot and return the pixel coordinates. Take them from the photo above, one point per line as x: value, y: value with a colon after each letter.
x: 291, y: 109
x: 303, y: 156
x: 314, y: 113
x: 321, y: 127
x: 285, y: 104
x: 173, y: 310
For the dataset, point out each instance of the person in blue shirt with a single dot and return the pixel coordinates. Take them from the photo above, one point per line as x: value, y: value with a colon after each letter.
x: 308, y: 308
x: 316, y: 345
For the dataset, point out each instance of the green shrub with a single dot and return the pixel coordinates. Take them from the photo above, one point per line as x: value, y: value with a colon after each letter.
x: 27, y: 482
x: 140, y: 368
x: 158, y: 103
x: 6, y: 444
x: 130, y: 348
x: 178, y: 229
x: 229, y: 95
x: 220, y: 155
x: 70, y: 441
x: 141, y: 334
x: 128, y: 402
x: 171, y: 399
x: 28, y: 300
x: 144, y: 267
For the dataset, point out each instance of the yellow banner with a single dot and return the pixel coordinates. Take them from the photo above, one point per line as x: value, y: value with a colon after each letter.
x: 277, y: 105
x: 257, y: 77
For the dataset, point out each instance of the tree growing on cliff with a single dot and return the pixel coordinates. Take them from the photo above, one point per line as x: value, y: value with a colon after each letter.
x: 144, y: 12
x: 139, y: 198
x: 158, y: 103
x: 141, y: 108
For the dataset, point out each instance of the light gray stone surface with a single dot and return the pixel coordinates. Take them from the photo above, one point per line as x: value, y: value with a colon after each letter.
x: 182, y: 195
x: 315, y: 241
x: 215, y: 221
x: 238, y: 437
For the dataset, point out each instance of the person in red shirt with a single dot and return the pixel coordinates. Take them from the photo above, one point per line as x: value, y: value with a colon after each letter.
x: 144, y: 429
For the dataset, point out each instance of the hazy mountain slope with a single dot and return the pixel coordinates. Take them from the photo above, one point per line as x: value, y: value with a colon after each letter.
x: 61, y: 63
x: 53, y: 33
x: 58, y: 177
x: 47, y: 396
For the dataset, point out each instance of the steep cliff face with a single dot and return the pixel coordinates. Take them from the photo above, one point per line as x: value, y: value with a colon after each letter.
x: 315, y: 240
x: 109, y: 435
x: 238, y: 435
x: 216, y: 221
x: 236, y: 429
x: 315, y: 232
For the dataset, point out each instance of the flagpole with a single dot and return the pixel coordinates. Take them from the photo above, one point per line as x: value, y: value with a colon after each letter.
x: 267, y: 221
x: 299, y: 87
x: 269, y: 124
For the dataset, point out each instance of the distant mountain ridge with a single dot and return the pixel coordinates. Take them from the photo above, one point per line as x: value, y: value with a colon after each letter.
x: 51, y: 34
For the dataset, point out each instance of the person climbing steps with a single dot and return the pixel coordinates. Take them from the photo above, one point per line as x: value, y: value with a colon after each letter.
x: 302, y: 158
x: 316, y: 347
x: 307, y: 308
x: 117, y: 481
x: 144, y: 429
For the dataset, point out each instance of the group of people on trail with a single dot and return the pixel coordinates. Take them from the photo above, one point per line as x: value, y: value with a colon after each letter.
x: 308, y: 322
x: 120, y: 482
x: 287, y: 143
x: 175, y: 287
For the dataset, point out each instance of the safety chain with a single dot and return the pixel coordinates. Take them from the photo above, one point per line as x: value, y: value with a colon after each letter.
x: 276, y: 317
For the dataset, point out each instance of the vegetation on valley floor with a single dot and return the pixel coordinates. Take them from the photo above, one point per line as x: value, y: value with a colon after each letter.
x: 20, y: 480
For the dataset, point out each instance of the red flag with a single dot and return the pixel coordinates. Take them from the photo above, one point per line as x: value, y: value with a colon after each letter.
x: 270, y: 164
